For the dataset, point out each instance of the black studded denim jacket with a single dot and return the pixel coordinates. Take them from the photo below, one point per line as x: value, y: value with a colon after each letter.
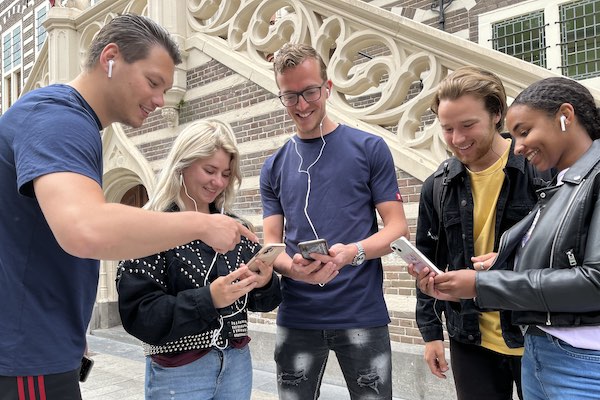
x: 453, y: 247
x: 165, y: 300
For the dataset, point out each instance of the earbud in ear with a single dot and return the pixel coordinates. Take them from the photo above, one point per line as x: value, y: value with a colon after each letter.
x: 563, y: 126
x: 328, y: 92
x: 110, y: 66
x: 180, y: 179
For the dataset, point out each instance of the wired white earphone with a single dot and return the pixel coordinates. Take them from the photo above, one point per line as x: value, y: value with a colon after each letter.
x: 110, y: 67
x: 216, y: 332
x: 307, y: 172
x: 563, y: 126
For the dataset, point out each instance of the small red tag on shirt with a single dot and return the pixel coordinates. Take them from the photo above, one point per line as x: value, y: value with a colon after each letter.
x: 399, y: 197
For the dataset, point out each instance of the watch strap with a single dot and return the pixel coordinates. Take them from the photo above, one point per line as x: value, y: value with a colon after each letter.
x: 359, y: 258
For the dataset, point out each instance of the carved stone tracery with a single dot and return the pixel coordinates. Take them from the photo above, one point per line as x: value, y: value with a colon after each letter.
x: 377, y: 79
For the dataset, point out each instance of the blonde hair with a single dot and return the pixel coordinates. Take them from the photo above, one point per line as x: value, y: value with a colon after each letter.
x: 202, y: 139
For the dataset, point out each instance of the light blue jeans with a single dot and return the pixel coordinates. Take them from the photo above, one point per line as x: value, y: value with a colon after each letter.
x: 553, y: 370
x: 218, y: 375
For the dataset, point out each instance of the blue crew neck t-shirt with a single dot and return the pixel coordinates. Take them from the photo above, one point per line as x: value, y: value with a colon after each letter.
x: 46, y: 295
x: 354, y: 173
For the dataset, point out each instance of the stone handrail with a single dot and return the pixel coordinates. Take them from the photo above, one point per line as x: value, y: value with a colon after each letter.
x: 384, y: 67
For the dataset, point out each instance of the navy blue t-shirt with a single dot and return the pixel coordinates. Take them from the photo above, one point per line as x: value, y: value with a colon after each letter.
x: 355, y: 173
x: 46, y: 295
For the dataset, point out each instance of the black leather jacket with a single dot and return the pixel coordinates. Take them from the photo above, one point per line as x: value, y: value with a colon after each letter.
x: 557, y: 279
x: 517, y: 197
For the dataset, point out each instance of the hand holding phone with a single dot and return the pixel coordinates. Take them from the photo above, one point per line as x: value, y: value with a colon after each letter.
x: 409, y: 253
x: 267, y: 254
x: 318, y: 246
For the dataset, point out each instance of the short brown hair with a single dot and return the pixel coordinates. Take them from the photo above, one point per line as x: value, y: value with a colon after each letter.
x: 135, y: 35
x: 293, y: 54
x: 476, y: 82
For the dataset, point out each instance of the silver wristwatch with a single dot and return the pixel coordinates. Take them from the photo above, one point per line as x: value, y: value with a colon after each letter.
x: 359, y: 258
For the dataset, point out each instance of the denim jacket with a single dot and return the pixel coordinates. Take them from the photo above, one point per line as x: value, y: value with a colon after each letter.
x: 452, y: 247
x: 558, y: 279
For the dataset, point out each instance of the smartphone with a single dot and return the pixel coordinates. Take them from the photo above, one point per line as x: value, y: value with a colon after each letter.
x: 409, y: 253
x: 313, y: 246
x: 86, y: 367
x: 267, y: 254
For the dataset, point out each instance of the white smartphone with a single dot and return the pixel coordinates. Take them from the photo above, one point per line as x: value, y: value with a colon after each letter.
x: 409, y: 253
x: 318, y: 246
x: 267, y: 254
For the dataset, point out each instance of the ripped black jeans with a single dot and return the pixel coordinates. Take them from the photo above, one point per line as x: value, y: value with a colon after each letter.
x: 364, y: 356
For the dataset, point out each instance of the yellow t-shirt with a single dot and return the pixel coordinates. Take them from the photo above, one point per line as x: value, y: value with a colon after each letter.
x: 486, y: 186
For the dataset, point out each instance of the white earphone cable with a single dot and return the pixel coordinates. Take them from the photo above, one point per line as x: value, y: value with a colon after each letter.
x: 216, y: 332
x: 307, y: 172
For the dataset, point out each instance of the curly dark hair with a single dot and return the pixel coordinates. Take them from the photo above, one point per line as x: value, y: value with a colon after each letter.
x: 549, y: 94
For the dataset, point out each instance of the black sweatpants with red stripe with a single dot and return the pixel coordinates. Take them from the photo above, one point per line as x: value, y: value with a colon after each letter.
x: 64, y: 386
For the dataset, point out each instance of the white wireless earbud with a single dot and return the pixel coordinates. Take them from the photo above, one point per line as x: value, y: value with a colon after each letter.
x: 563, y: 126
x: 328, y: 92
x: 180, y: 179
x: 110, y: 65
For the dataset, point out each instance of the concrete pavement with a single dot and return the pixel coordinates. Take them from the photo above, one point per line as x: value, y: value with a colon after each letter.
x: 118, y: 372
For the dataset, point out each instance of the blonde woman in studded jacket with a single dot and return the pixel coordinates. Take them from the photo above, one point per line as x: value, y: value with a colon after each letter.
x: 554, y: 290
x: 188, y: 305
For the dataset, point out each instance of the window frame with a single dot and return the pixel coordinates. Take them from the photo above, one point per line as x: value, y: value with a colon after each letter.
x: 39, y: 25
x: 553, y: 29
x: 12, y: 77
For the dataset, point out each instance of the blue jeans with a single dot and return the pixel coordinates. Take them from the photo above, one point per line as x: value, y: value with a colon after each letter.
x: 553, y: 370
x: 219, y: 375
x: 364, y: 356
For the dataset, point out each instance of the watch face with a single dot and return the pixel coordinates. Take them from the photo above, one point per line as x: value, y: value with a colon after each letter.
x: 360, y: 256
x: 359, y: 259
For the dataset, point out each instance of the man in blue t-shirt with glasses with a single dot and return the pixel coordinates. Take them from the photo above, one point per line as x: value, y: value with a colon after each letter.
x: 327, y: 182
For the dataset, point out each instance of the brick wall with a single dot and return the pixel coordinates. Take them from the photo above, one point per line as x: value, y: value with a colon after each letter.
x: 456, y: 19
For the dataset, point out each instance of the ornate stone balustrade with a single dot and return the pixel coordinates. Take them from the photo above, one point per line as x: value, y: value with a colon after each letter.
x: 384, y: 67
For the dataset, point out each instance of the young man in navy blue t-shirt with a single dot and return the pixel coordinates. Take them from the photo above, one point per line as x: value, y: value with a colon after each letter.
x: 55, y: 223
x: 327, y: 182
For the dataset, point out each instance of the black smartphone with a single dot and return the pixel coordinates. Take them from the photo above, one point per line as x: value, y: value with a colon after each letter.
x: 313, y: 246
x: 86, y: 367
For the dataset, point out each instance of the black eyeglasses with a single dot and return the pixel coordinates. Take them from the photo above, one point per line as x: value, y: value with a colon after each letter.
x: 309, y: 95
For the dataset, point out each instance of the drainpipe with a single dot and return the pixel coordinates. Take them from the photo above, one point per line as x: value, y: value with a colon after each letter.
x: 440, y: 6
